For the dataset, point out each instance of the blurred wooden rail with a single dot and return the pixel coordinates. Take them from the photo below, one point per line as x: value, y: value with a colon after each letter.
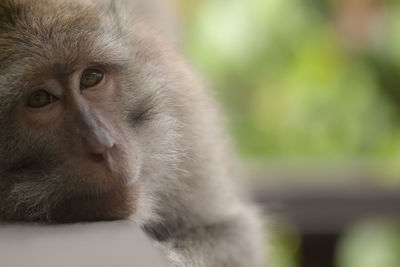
x: 321, y: 214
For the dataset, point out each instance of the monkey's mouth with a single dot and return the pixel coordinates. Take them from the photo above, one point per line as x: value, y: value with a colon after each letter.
x: 105, y: 192
x: 118, y: 202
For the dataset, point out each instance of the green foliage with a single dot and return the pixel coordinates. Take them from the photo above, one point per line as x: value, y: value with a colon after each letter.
x: 292, y: 86
x: 370, y: 244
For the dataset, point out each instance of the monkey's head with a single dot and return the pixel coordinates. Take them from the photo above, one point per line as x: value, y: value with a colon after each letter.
x: 80, y: 120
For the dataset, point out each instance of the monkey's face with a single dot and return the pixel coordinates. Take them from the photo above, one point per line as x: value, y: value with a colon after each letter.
x: 70, y: 143
x: 67, y: 142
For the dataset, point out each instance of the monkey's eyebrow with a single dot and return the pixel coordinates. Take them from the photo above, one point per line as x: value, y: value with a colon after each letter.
x: 115, y: 65
x: 62, y: 71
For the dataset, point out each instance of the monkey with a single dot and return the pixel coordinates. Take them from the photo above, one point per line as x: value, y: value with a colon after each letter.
x: 102, y: 118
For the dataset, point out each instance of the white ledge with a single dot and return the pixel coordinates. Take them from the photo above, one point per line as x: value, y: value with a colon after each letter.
x: 108, y: 244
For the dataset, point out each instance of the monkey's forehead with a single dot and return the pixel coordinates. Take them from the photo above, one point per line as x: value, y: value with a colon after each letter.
x: 44, y: 32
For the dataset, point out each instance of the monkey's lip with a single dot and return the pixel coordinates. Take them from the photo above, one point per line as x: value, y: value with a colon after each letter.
x: 116, y: 202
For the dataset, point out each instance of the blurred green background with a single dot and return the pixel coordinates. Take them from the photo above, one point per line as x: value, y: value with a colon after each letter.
x: 306, y: 82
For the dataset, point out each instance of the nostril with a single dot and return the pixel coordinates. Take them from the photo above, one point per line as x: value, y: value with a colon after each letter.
x: 99, y: 146
x: 96, y: 157
x: 101, y: 153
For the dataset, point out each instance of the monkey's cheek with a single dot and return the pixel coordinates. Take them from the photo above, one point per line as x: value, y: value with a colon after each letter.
x: 118, y: 204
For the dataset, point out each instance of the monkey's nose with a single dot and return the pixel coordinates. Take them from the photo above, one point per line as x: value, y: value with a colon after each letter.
x: 99, y: 149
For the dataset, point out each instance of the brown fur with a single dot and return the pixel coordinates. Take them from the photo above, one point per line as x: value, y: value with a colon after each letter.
x: 164, y: 122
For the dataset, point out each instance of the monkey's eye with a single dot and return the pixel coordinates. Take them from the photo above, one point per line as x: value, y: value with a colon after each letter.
x: 90, y: 78
x: 40, y: 98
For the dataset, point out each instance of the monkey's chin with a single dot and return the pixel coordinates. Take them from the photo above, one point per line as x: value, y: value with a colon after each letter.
x: 113, y: 205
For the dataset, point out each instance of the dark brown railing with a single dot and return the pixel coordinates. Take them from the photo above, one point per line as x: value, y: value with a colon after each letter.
x: 321, y: 214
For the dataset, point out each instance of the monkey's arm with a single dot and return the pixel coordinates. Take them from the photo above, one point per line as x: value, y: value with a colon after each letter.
x: 230, y: 243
